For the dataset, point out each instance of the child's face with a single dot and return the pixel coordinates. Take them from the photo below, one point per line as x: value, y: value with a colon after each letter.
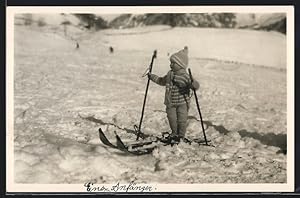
x: 174, y: 67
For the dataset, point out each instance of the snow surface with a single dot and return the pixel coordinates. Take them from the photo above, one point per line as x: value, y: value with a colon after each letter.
x: 63, y: 95
x: 245, y: 46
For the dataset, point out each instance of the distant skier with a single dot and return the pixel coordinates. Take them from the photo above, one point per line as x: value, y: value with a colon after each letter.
x: 77, y: 45
x: 177, y: 95
x: 111, y: 49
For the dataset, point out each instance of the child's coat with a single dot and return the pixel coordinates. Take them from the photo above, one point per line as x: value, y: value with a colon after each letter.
x: 178, y: 86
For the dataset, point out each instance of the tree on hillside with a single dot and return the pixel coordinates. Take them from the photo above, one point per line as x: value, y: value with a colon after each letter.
x: 118, y: 22
x: 41, y: 22
x: 176, y: 19
x: 65, y: 24
x: 27, y: 19
x: 227, y: 20
x: 279, y: 26
x: 100, y: 23
x: 87, y: 18
x: 164, y: 19
x: 92, y: 21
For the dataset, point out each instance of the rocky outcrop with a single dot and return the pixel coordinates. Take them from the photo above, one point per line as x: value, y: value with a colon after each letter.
x: 269, y: 22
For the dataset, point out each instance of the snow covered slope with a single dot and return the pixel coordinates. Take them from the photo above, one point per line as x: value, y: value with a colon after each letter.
x: 244, y: 46
x: 62, y: 95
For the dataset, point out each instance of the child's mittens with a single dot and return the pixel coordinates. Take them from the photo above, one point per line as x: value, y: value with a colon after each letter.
x: 152, y: 77
x: 195, y: 85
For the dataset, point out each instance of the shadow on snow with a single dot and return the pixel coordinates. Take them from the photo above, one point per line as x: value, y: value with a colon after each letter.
x: 270, y: 139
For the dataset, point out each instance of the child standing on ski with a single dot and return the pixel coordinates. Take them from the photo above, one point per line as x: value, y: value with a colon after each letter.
x: 177, y: 94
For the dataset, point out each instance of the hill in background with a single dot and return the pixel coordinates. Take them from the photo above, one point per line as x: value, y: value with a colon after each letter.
x: 268, y: 22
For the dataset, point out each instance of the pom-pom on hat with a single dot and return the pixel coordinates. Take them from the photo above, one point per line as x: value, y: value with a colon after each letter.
x: 181, y: 58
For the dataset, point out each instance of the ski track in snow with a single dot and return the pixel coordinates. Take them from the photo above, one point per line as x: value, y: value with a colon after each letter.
x: 63, y: 95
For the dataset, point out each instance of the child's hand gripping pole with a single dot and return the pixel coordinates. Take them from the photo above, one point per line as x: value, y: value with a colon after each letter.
x: 150, y: 70
x: 198, y: 107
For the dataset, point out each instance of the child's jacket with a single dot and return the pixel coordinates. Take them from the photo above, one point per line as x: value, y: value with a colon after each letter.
x: 178, y: 86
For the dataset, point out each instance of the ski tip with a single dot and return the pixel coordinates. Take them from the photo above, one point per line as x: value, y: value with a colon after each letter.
x: 100, y: 131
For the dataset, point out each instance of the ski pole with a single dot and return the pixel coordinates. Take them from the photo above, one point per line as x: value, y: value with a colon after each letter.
x: 198, y: 106
x: 145, y: 98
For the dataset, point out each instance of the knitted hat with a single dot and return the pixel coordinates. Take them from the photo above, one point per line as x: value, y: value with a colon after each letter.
x: 181, y: 58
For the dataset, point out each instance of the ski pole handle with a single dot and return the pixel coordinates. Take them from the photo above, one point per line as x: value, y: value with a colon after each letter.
x: 149, y: 69
x: 192, y: 80
x: 190, y: 73
x: 153, y: 57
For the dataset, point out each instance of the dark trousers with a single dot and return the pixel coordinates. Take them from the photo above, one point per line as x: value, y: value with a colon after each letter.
x: 177, y: 116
